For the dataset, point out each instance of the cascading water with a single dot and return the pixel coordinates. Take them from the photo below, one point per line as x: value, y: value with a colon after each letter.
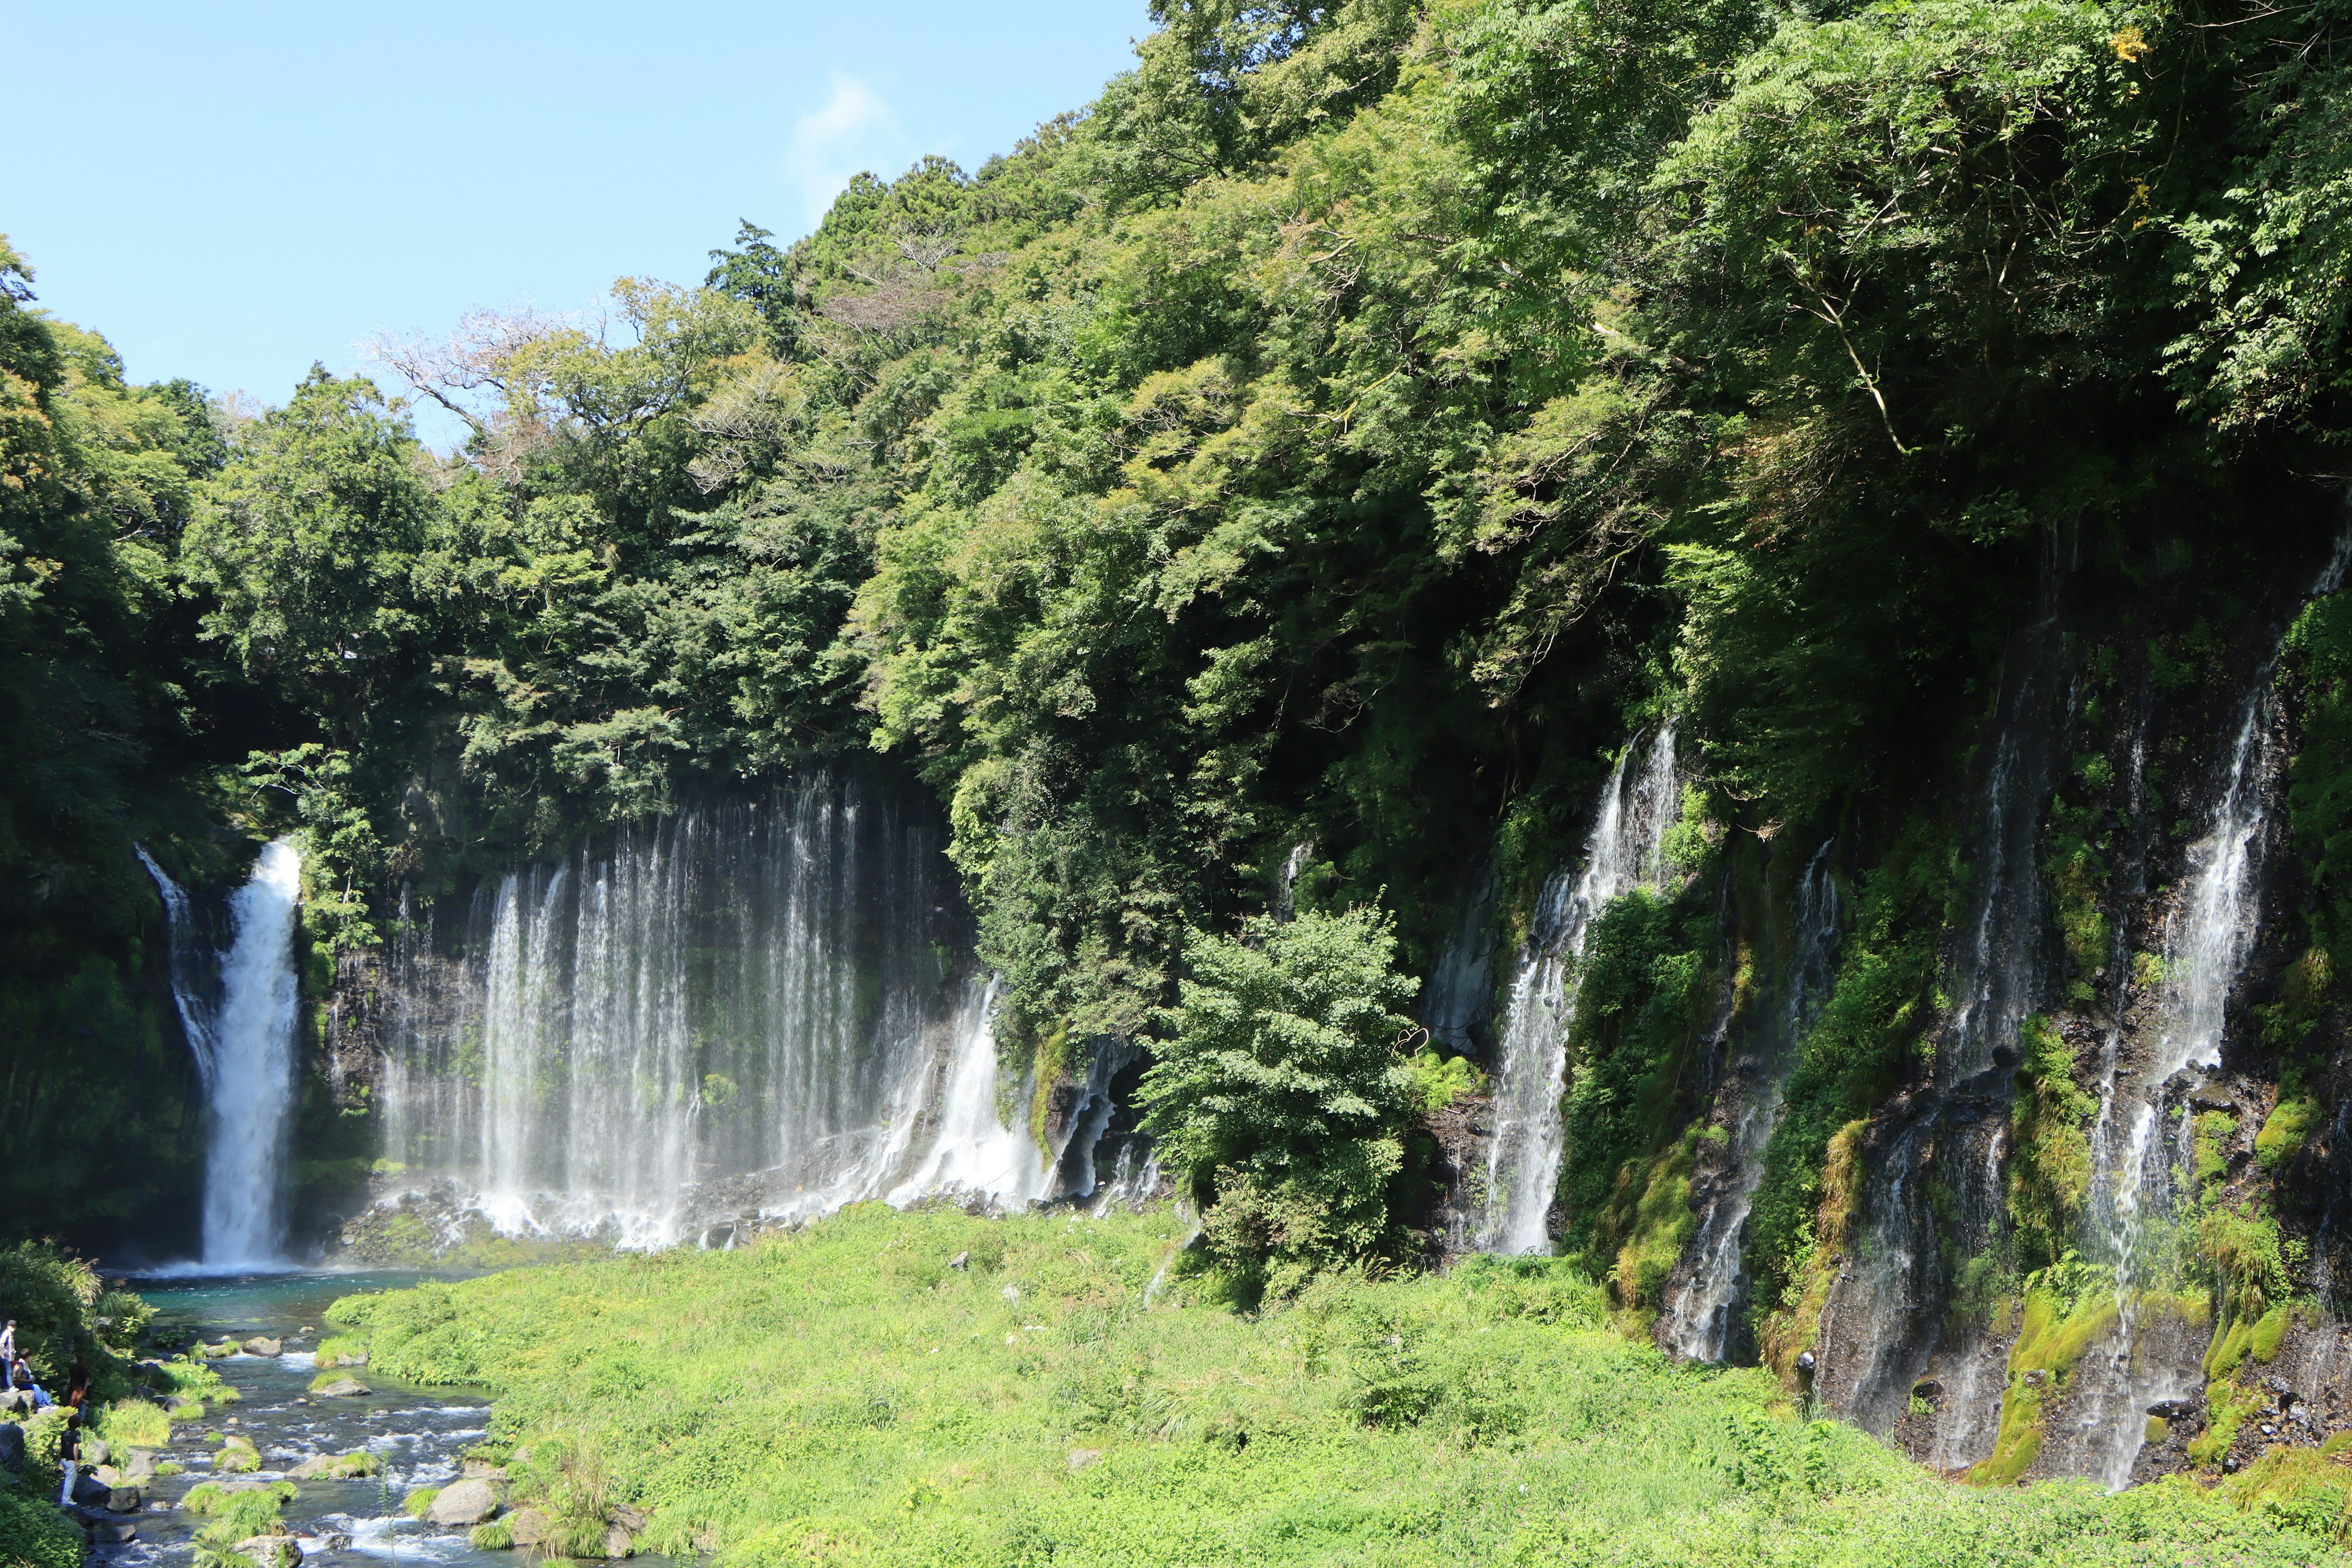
x: 240, y: 1027
x: 1702, y: 1315
x: 2141, y: 1138
x: 1935, y: 1194
x: 743, y: 1009
x: 1637, y: 806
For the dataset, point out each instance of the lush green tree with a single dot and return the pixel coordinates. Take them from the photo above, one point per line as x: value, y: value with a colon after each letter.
x: 1281, y: 1090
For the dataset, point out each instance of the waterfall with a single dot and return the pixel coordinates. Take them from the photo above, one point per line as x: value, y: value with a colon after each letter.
x: 1935, y: 1195
x: 2140, y: 1141
x: 1636, y: 807
x: 746, y: 1009
x: 1702, y: 1316
x: 239, y: 1019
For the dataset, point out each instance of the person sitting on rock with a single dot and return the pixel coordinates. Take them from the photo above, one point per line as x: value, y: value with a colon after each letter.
x: 20, y: 1376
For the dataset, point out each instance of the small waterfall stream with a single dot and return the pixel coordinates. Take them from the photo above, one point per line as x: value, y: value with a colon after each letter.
x: 1935, y: 1189
x: 750, y: 1008
x: 2140, y: 1143
x: 238, y: 1009
x: 1637, y: 806
x: 1702, y: 1315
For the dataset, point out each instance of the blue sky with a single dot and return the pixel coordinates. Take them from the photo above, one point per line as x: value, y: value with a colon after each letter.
x: 229, y: 191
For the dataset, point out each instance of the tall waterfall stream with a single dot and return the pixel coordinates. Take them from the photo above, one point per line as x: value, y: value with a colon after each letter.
x: 237, y: 1007
x: 1637, y: 806
x: 1701, y: 1315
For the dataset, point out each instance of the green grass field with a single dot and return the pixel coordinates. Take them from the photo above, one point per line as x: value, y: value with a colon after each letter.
x: 843, y: 1395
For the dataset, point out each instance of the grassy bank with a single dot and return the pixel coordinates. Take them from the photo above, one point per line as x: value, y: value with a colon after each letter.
x: 846, y: 1396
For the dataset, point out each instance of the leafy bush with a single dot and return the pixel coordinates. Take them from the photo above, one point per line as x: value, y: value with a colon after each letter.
x: 1280, y: 1090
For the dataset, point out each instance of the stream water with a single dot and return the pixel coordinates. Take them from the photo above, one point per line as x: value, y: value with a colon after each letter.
x: 419, y: 1434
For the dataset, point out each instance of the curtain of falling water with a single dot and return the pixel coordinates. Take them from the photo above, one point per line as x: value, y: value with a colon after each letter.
x: 747, y: 1007
x: 1637, y: 806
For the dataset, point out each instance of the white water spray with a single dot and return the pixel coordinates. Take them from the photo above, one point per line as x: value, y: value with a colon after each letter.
x: 244, y: 1047
x: 744, y: 1010
x: 1637, y: 806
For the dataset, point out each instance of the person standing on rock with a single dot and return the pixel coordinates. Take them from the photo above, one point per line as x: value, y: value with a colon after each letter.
x: 8, y: 1344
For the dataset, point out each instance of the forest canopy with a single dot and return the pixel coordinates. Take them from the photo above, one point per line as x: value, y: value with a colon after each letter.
x: 1337, y: 436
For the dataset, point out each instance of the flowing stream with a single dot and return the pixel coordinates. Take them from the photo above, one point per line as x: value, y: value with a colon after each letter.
x: 239, y: 1007
x: 1637, y: 806
x: 1702, y: 1317
x: 749, y: 1009
x: 419, y: 1437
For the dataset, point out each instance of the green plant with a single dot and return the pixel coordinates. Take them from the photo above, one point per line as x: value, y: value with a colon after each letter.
x: 1280, y: 1090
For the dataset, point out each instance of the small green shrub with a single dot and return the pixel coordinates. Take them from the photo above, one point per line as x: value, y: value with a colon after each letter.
x: 419, y: 1500
x: 495, y: 1536
x: 133, y: 1424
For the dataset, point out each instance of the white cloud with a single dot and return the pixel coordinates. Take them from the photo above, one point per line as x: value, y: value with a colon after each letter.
x: 855, y: 130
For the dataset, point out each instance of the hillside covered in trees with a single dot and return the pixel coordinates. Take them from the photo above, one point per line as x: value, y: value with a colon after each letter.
x: 1258, y: 517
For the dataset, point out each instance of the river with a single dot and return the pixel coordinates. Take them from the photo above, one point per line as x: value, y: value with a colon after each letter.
x: 419, y: 1433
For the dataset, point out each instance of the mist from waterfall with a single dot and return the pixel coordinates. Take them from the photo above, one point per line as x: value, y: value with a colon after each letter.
x: 239, y: 1007
x: 1637, y: 806
x: 752, y: 1008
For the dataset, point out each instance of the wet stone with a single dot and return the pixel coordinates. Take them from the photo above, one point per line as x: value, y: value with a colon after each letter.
x: 462, y: 1503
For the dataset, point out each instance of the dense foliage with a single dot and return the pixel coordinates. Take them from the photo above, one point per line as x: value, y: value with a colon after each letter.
x: 1281, y: 1092
x: 1279, y: 487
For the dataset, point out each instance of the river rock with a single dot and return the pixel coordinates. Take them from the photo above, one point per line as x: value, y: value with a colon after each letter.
x: 271, y: 1550
x: 140, y: 1465
x: 262, y: 1344
x: 480, y: 1470
x: 633, y: 1520
x: 18, y: 1400
x: 12, y: 1448
x: 463, y: 1502
x: 94, y: 1451
x: 122, y: 1500
x: 317, y: 1467
x: 528, y: 1527
x: 89, y: 1491
x: 345, y: 1388
x: 114, y: 1532
x: 352, y: 1358
x: 176, y: 1402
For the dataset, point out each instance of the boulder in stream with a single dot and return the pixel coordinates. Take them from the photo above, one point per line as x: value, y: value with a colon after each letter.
x: 466, y: 1503
x: 527, y: 1527
x: 271, y: 1550
x: 344, y: 1388
x: 262, y: 1344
